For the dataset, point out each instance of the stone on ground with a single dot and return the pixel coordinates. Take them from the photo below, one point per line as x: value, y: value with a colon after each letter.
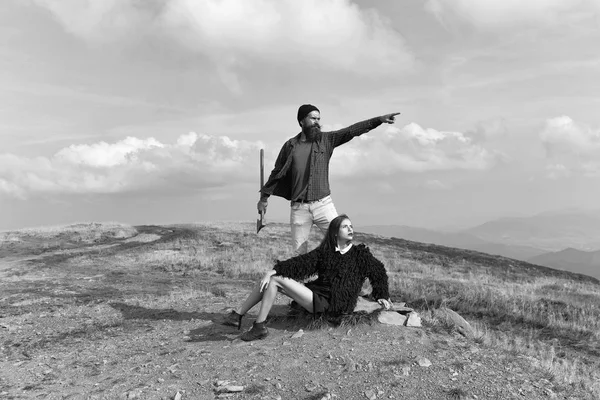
x: 413, y: 319
x: 452, y: 318
x: 391, y: 318
x: 423, y: 362
x: 367, y: 306
x: 298, y: 334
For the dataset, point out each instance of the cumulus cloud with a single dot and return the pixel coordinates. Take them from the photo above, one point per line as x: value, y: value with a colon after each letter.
x: 334, y: 34
x: 435, y: 184
x: 104, y: 20
x: 107, y: 155
x: 570, y: 147
x: 556, y: 171
x: 194, y: 162
x: 412, y: 149
x: 494, y: 128
x: 493, y: 14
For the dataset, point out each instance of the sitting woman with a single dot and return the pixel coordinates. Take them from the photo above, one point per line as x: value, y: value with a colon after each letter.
x: 341, y: 268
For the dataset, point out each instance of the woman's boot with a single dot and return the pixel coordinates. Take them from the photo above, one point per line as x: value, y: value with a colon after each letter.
x: 258, y: 331
x: 233, y: 319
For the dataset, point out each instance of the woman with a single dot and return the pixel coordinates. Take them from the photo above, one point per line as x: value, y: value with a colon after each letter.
x: 341, y: 268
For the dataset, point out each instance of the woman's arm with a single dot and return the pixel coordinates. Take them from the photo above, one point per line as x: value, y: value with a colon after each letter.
x: 299, y: 267
x: 378, y: 276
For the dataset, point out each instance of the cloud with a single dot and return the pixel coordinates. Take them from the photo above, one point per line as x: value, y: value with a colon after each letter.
x: 494, y: 14
x: 107, y: 155
x: 412, y: 149
x: 194, y: 162
x: 236, y: 34
x: 490, y: 129
x: 556, y: 171
x: 435, y: 184
x: 105, y: 20
x: 570, y: 147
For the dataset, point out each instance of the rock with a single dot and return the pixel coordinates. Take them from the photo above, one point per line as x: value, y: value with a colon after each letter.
x: 367, y: 306
x: 298, y: 334
x: 423, y: 362
x: 350, y: 365
x: 413, y: 319
x: 311, y: 387
x: 177, y: 396
x: 370, y: 394
x: 391, y: 318
x: 451, y: 318
x: 401, y: 308
x: 405, y: 370
x: 230, y: 389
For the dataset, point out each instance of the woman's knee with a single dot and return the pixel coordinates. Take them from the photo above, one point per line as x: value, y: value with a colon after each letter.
x: 282, y: 282
x: 275, y: 282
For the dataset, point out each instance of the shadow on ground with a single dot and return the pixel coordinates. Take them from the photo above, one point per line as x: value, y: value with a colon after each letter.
x: 211, y: 328
x: 137, y: 312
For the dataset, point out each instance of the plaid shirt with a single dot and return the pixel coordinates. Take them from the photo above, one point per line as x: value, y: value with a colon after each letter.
x: 280, y: 180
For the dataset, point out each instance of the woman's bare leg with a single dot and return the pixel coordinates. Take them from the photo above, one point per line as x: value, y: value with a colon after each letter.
x: 253, y: 298
x: 291, y: 288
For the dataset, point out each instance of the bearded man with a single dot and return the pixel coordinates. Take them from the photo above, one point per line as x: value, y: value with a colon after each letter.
x: 301, y: 173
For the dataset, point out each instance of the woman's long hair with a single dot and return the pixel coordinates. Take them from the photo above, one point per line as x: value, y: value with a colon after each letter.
x: 329, y: 242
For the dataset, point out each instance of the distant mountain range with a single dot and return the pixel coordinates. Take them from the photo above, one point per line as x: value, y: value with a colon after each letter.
x: 572, y: 260
x: 550, y: 231
x: 567, y: 239
x: 454, y: 239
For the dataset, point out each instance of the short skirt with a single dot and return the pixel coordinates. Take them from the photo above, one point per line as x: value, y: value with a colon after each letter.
x: 321, y: 296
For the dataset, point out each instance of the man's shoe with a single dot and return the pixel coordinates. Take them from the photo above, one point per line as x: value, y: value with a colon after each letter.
x: 233, y: 319
x: 258, y: 331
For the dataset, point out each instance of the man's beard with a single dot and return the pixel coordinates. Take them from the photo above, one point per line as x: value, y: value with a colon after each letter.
x: 312, y: 134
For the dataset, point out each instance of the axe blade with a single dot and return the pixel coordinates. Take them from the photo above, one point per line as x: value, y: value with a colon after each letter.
x: 259, y: 223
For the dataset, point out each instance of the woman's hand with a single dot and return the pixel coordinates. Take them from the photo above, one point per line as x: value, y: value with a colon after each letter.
x: 264, y: 282
x: 387, y: 304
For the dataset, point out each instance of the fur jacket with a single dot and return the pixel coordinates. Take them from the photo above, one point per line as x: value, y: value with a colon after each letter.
x: 346, y: 272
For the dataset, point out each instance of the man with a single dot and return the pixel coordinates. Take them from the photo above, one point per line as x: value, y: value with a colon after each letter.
x: 301, y: 173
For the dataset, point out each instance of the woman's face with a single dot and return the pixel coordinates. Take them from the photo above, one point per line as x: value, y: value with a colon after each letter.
x: 346, y: 232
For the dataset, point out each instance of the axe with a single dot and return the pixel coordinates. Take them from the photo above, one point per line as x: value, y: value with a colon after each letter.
x: 259, y: 222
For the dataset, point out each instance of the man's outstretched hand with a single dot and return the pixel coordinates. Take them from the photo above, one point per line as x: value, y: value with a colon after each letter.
x: 389, y: 118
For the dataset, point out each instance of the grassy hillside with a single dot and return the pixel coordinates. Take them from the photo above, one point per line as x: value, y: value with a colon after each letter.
x: 550, y: 317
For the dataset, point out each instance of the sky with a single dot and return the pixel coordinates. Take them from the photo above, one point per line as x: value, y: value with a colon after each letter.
x: 154, y: 112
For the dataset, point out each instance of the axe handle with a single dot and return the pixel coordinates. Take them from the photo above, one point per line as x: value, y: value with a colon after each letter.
x: 262, y: 169
x: 262, y: 179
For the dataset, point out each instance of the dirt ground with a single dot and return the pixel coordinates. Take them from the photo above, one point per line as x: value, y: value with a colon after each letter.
x: 75, y: 323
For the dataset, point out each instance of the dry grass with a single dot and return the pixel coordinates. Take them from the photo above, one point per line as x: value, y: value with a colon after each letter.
x: 550, y: 317
x: 85, y: 231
